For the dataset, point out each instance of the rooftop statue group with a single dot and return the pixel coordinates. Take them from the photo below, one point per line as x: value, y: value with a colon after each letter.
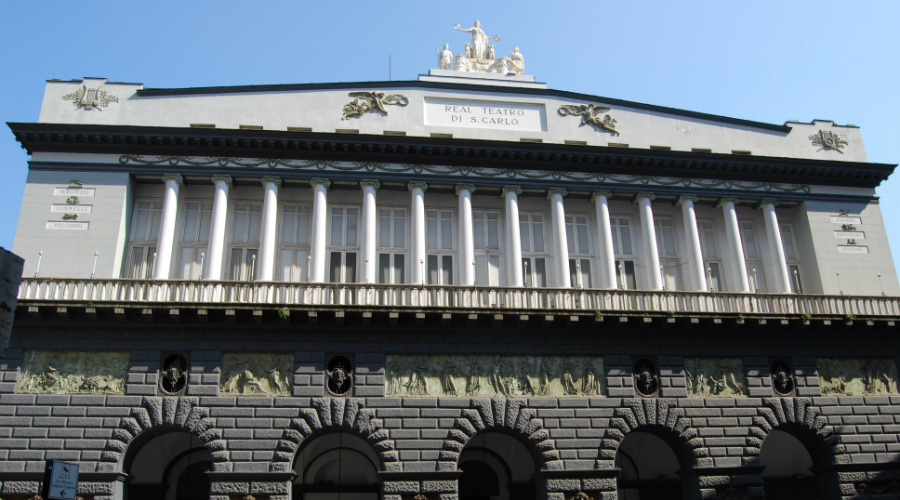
x: 479, y: 55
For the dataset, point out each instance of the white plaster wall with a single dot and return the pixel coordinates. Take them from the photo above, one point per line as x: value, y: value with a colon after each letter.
x: 321, y: 111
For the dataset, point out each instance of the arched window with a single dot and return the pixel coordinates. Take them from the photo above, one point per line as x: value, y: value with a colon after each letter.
x: 787, y: 468
x: 648, y: 467
x: 336, y: 466
x: 167, y: 466
x: 496, y: 466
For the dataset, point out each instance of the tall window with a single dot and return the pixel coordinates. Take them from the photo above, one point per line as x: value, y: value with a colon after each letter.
x: 244, y: 240
x: 578, y: 242
x: 668, y: 253
x: 710, y: 252
x: 344, y: 244
x: 791, y: 256
x: 439, y: 237
x: 294, y: 256
x: 392, y: 245
x: 194, y: 238
x: 142, y: 239
x: 624, y: 250
x: 486, y: 229
x: 534, y: 251
x: 755, y: 271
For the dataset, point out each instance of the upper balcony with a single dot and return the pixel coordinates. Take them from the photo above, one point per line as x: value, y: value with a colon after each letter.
x: 449, y: 298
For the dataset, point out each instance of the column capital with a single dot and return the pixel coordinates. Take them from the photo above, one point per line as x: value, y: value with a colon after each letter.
x: 319, y: 181
x: 222, y: 178
x: 420, y: 185
x: 767, y: 201
x: 560, y: 191
x: 598, y: 194
x: 464, y: 187
x: 686, y: 197
x: 638, y: 197
x: 273, y: 180
x: 173, y: 177
x: 722, y: 201
x: 370, y: 183
x: 512, y: 189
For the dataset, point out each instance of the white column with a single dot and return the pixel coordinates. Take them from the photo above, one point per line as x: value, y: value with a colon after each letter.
x: 776, y: 247
x: 651, y: 249
x: 466, y: 235
x: 216, y: 249
x: 692, y: 238
x: 604, y: 230
x: 319, y: 240
x: 417, y: 232
x: 167, y: 227
x: 560, y: 245
x: 513, y: 236
x: 369, y: 231
x: 265, y: 267
x: 735, y: 247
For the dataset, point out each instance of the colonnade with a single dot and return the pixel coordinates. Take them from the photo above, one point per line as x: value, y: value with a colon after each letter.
x: 697, y: 277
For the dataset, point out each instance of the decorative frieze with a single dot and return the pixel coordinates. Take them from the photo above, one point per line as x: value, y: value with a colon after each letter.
x: 485, y: 375
x: 73, y: 372
x: 714, y: 377
x: 256, y: 374
x: 857, y: 376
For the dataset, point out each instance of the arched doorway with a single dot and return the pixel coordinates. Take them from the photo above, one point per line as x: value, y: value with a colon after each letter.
x: 496, y: 466
x: 648, y: 467
x: 336, y: 466
x: 167, y: 466
x: 788, y: 469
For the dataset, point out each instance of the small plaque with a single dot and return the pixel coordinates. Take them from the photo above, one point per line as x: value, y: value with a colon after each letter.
x: 851, y: 235
x: 516, y: 116
x: 844, y: 219
x: 85, y: 192
x: 71, y: 209
x: 853, y: 249
x: 67, y: 225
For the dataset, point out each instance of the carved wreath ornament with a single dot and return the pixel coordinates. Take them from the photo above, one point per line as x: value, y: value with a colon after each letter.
x: 85, y: 98
x: 828, y: 141
x: 371, y: 102
x: 591, y: 115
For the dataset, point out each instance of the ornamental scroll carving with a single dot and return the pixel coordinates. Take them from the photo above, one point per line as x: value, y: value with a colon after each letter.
x: 857, y: 376
x: 591, y: 115
x: 371, y: 102
x: 73, y: 372
x: 714, y: 377
x: 485, y: 375
x: 256, y: 374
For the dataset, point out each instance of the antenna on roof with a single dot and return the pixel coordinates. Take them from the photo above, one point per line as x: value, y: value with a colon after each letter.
x: 389, y: 67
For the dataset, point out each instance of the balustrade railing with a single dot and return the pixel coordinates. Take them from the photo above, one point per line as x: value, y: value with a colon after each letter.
x: 449, y: 297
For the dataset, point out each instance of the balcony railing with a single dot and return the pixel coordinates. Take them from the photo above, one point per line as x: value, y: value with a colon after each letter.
x: 449, y: 297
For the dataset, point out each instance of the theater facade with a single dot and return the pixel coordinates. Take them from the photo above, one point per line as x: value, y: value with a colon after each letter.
x: 469, y: 286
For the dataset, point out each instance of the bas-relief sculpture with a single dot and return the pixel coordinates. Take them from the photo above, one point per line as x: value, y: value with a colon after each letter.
x: 828, y: 141
x: 256, y: 374
x: 485, y: 375
x: 73, y: 372
x: 857, y: 376
x: 591, y: 115
x: 371, y: 102
x: 714, y: 377
x: 479, y: 55
x: 85, y: 98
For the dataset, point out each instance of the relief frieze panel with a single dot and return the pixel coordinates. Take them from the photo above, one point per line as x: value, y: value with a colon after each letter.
x: 256, y: 374
x: 857, y: 376
x: 73, y: 372
x: 714, y: 377
x: 488, y: 375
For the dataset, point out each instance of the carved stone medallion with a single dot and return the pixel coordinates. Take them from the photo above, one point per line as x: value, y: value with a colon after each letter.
x: 339, y: 376
x: 782, y: 378
x: 173, y: 374
x: 646, y: 381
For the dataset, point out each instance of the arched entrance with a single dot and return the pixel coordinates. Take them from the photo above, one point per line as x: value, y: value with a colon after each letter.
x: 167, y: 466
x: 496, y: 466
x: 648, y: 467
x: 336, y: 466
x: 788, y: 469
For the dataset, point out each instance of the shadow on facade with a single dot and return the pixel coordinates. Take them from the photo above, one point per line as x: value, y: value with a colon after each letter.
x: 796, y: 465
x: 654, y: 465
x: 167, y: 465
x: 334, y: 466
x: 497, y: 466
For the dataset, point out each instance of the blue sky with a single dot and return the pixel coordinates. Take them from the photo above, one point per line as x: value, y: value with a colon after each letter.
x: 769, y: 61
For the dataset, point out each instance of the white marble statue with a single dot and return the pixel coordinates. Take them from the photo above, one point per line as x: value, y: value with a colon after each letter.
x: 445, y: 57
x: 479, y: 40
x: 516, y: 62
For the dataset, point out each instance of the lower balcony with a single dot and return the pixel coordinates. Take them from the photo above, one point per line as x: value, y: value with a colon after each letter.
x: 450, y: 297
